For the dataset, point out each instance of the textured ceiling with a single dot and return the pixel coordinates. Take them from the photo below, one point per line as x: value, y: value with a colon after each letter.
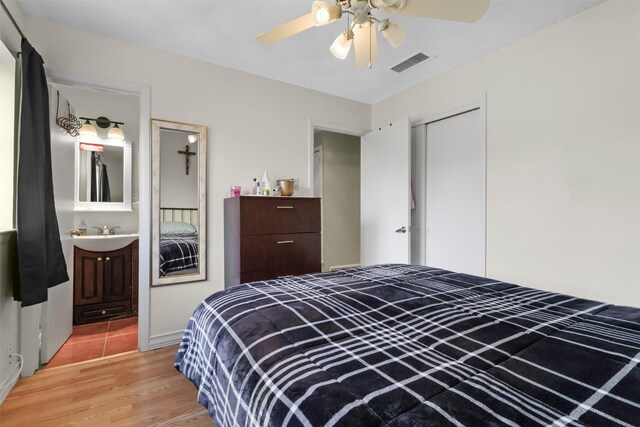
x: 223, y: 33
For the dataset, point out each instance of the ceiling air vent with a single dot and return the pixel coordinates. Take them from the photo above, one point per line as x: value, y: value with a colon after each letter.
x: 411, y: 62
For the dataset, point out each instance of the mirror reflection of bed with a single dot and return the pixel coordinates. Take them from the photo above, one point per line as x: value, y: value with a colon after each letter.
x: 178, y: 241
x: 179, y: 202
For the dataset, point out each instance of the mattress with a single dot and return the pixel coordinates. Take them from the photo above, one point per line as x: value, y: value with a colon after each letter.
x: 402, y: 345
x: 178, y: 252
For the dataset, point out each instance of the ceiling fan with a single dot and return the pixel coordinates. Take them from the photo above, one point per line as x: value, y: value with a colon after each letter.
x: 361, y: 29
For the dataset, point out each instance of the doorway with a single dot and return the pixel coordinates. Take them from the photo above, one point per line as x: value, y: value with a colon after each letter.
x: 95, y: 313
x: 449, y: 183
x: 336, y: 180
x: 55, y: 321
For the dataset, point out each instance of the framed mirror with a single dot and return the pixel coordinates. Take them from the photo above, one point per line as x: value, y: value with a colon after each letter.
x: 103, y: 175
x: 179, y: 181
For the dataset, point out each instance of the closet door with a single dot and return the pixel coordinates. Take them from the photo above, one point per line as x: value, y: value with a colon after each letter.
x: 455, y: 194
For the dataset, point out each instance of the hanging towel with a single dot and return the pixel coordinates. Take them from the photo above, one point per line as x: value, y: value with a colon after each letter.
x: 41, y: 261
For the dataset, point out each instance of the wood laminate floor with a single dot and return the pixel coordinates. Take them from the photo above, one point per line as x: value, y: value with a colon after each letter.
x: 134, y: 389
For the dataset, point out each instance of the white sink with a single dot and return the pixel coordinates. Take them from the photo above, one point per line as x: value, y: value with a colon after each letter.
x: 103, y: 242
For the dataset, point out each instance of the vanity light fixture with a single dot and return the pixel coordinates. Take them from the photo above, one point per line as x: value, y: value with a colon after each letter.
x: 88, y: 129
x: 116, y: 133
x: 192, y: 138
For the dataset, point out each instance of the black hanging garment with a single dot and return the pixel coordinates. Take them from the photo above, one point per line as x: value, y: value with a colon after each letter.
x: 40, y: 259
x: 105, y: 191
x: 94, y: 185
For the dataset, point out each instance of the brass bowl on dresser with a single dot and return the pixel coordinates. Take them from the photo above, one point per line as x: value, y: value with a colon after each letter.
x: 286, y: 186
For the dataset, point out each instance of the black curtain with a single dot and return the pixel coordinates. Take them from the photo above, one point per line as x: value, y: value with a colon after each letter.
x: 40, y: 259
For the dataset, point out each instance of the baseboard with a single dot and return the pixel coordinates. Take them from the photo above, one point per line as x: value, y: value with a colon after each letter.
x: 165, y: 340
x: 4, y: 392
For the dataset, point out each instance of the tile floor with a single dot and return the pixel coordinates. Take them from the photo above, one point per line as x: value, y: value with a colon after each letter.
x: 96, y: 340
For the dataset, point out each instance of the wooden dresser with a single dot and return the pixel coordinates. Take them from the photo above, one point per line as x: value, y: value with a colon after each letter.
x: 105, y: 284
x: 270, y: 237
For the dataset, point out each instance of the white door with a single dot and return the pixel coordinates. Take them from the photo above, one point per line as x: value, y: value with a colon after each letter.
x: 455, y: 194
x: 385, y: 195
x: 57, y: 312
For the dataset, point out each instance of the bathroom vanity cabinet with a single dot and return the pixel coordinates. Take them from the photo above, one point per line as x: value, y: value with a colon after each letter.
x: 105, y: 284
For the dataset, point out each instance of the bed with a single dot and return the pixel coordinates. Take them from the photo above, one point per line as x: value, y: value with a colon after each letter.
x: 402, y: 345
x: 179, y: 241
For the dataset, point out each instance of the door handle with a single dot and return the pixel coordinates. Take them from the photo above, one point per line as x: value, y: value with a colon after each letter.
x: 402, y: 229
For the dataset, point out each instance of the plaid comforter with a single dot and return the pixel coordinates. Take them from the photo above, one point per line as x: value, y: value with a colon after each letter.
x: 178, y: 252
x: 408, y: 345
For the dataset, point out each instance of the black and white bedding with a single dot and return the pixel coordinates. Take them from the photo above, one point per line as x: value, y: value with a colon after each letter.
x: 178, y: 252
x: 402, y: 345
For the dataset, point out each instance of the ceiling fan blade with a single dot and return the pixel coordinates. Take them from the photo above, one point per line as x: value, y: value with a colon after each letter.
x: 451, y: 10
x: 365, y: 44
x: 287, y: 29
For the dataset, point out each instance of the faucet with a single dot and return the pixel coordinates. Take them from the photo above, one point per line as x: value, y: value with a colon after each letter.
x: 112, y: 230
x: 104, y: 230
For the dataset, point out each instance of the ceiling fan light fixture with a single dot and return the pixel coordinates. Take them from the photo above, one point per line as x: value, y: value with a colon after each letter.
x: 393, y: 33
x: 342, y: 44
x: 325, y: 12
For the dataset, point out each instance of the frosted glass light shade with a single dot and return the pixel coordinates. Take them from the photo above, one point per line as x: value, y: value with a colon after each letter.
x: 341, y: 46
x: 393, y: 33
x: 116, y: 133
x: 365, y: 45
x: 88, y: 129
x: 325, y: 12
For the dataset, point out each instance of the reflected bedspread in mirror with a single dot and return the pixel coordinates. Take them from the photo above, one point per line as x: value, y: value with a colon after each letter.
x: 179, y: 202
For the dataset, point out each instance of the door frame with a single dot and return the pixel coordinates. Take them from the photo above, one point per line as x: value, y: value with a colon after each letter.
x: 320, y: 125
x: 143, y: 92
x: 330, y: 127
x: 475, y: 103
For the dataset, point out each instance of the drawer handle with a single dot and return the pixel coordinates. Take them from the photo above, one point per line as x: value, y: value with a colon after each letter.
x: 99, y: 259
x: 285, y: 276
x: 104, y: 311
x: 284, y: 207
x: 283, y: 242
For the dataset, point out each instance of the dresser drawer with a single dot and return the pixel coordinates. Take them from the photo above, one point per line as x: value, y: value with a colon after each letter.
x: 277, y: 251
x: 278, y: 215
x: 97, y: 312
x: 279, y: 273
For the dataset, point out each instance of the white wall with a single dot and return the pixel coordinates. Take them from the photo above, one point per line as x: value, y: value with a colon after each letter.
x: 177, y: 189
x: 253, y: 123
x: 340, y: 198
x: 563, y: 152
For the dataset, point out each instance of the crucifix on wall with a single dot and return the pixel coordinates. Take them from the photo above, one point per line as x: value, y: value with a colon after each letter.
x: 187, y: 154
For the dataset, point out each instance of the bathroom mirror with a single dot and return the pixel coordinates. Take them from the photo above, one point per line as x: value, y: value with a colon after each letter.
x: 102, y: 175
x: 179, y: 179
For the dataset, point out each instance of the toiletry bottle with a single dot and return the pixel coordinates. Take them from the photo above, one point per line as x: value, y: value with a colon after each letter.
x: 257, y: 193
x: 265, y: 190
x: 254, y: 188
x: 82, y: 228
x: 276, y: 191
